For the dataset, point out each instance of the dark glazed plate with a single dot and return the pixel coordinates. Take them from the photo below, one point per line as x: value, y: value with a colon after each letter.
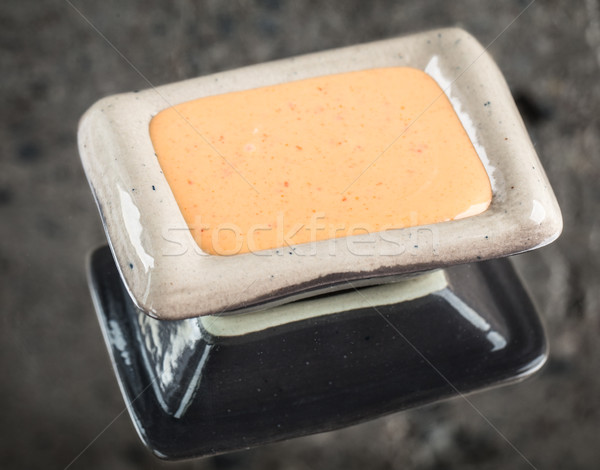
x: 191, y: 393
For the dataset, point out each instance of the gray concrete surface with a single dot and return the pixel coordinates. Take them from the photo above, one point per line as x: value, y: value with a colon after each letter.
x: 59, y: 397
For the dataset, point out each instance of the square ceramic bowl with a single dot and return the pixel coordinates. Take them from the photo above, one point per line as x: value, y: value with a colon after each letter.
x: 175, y: 279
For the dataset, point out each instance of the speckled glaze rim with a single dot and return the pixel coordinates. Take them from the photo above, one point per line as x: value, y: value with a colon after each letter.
x: 170, y: 278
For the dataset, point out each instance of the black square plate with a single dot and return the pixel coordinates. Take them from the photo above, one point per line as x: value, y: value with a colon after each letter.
x: 194, y: 394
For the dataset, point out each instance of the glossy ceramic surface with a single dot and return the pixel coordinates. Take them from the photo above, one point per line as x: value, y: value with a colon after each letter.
x: 169, y: 277
x: 193, y: 393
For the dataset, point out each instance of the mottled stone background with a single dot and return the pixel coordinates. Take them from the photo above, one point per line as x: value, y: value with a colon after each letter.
x: 57, y: 389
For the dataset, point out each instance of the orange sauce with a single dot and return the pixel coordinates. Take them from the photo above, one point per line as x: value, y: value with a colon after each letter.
x: 321, y: 158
